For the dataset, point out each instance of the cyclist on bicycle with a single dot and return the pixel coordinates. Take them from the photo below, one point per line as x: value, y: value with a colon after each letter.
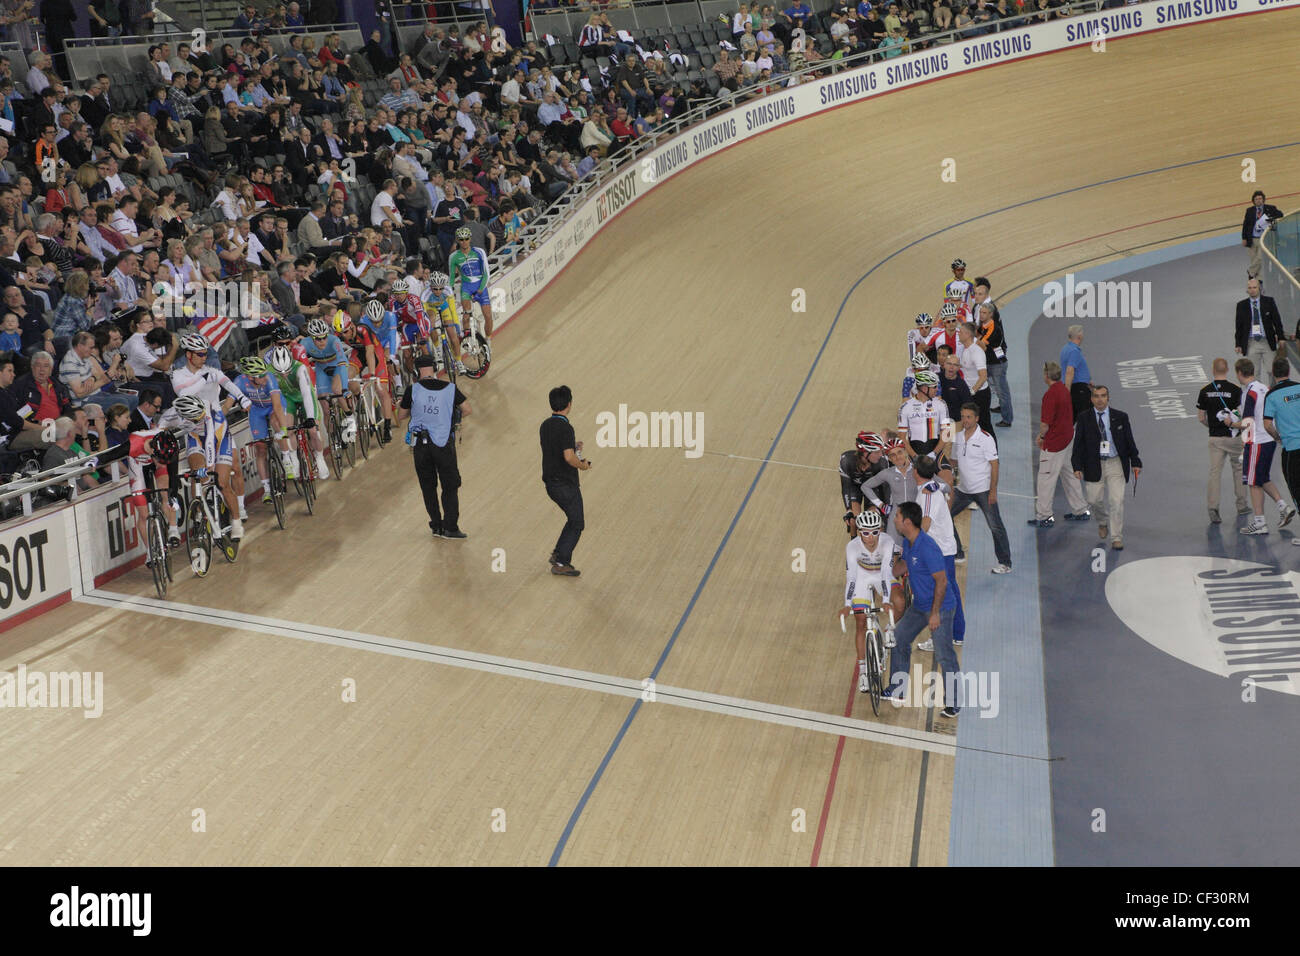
x: 411, y: 318
x: 148, y: 450
x: 869, y: 565
x: 383, y: 323
x: 208, y: 445
x: 331, y: 359
x: 439, y: 302
x: 197, y: 378
x: 367, y: 360
x: 857, y: 466
x: 298, y: 392
x: 265, y: 415
x: 284, y: 334
x: 468, y: 268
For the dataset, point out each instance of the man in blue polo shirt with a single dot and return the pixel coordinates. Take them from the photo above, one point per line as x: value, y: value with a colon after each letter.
x: 1282, y: 421
x: 1074, y: 371
x: 933, y: 606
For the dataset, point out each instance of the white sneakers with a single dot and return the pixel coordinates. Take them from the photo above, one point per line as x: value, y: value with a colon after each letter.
x: 290, y: 462
x: 926, y: 645
x: 864, y: 682
x: 236, y: 529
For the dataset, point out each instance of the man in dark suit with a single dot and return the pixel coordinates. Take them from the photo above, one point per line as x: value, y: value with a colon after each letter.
x: 1259, y: 215
x: 300, y: 158
x: 1104, y: 452
x: 1259, y: 330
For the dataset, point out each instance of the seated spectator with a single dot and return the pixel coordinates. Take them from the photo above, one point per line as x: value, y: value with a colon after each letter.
x: 87, y: 380
x: 65, y: 449
x: 44, y: 399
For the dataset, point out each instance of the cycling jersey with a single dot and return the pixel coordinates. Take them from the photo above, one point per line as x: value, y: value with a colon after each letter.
x: 867, y: 570
x: 922, y: 420
x: 259, y: 415
x: 365, y: 337
x: 852, y: 476
x: 139, y: 465
x: 210, y: 436
x: 916, y: 342
x: 296, y: 350
x: 445, y: 308
x: 297, y: 391
x: 331, y: 359
x: 205, y: 383
x: 411, y: 318
x: 959, y: 292
x: 385, y: 330
x: 471, y: 270
x: 909, y: 381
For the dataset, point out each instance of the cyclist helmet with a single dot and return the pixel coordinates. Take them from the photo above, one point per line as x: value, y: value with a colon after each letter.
x: 894, y: 444
x: 875, y: 442
x: 920, y: 361
x: 165, y: 446
x: 949, y: 311
x: 927, y: 379
x: 400, y: 287
x: 342, y: 323
x: 463, y: 233
x: 375, y: 309
x: 190, y: 407
x: 865, y: 440
x: 283, y: 332
x: 317, y: 329
x: 924, y: 319
x: 252, y: 366
x: 281, y: 359
x: 959, y: 263
x: 194, y: 342
x: 869, y: 520
x: 438, y: 281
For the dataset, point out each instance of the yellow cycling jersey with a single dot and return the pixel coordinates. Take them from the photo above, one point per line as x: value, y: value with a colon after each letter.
x: 446, y: 309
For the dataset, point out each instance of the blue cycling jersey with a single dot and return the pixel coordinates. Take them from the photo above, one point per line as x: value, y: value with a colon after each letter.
x: 257, y: 394
x: 330, y: 354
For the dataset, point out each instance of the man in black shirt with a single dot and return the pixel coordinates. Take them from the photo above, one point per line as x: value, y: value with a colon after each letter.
x: 1219, y: 396
x: 560, y: 466
x: 433, y: 442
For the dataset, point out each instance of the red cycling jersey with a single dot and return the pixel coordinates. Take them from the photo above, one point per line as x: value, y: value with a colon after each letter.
x: 411, y: 312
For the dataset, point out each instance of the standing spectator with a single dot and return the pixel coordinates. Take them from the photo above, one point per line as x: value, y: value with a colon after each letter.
x: 933, y: 605
x: 977, y: 481
x: 1055, y: 435
x: 1074, y: 370
x: 1214, y: 407
x: 974, y: 369
x: 1259, y: 328
x: 561, y: 463
x: 994, y: 343
x: 1259, y: 215
x: 434, y: 406
x: 952, y: 387
x: 1282, y: 421
x: 1104, y: 453
x: 935, y: 498
x: 1258, y: 447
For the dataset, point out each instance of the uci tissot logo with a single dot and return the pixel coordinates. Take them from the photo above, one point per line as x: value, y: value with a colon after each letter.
x: 1238, y: 619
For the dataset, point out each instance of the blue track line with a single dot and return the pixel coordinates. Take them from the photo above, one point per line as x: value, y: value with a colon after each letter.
x: 708, y: 572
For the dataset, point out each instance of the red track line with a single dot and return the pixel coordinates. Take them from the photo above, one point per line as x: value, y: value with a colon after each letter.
x: 1139, y: 225
x: 835, y: 770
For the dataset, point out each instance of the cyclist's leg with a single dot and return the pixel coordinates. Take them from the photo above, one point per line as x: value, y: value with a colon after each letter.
x: 485, y: 304
x: 225, y: 483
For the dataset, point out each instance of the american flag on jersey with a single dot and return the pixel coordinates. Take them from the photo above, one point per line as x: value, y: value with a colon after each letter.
x: 216, y: 329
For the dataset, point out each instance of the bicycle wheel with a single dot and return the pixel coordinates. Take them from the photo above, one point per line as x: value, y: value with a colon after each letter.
x: 873, y: 669
x: 350, y: 447
x: 336, y: 443
x: 364, y: 424
x: 276, y: 468
x: 448, y: 363
x: 306, y: 475
x: 229, y: 546
x: 476, y: 354
x: 158, y: 554
x: 200, y: 539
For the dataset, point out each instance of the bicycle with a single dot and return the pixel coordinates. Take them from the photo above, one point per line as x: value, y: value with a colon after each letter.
x: 159, y: 559
x: 305, y: 483
x: 338, y: 445
x: 475, y: 350
x: 878, y: 644
x: 276, y: 476
x: 208, y: 522
x: 442, y: 353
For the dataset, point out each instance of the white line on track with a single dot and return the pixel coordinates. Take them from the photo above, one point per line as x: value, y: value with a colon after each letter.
x: 529, y: 670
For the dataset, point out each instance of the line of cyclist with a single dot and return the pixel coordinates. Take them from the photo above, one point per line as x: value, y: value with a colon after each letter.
x: 293, y: 380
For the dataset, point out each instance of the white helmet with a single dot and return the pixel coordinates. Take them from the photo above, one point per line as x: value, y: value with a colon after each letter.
x: 927, y: 379
x: 920, y: 361
x: 193, y: 342
x: 949, y: 311
x: 190, y: 407
x: 375, y: 309
x: 869, y: 520
x: 438, y: 281
x: 281, y: 359
x: 400, y: 286
x: 317, y: 329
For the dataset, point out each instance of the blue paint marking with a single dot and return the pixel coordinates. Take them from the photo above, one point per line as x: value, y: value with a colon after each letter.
x: 708, y: 572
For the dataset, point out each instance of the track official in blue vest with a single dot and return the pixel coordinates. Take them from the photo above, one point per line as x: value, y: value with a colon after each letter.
x: 435, y: 407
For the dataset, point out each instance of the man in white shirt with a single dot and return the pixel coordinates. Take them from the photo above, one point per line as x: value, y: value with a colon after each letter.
x: 37, y: 80
x: 384, y: 207
x: 977, y: 481
x: 511, y: 89
x: 935, y: 498
x: 254, y: 252
x: 124, y: 222
x: 100, y: 247
x: 974, y: 369
x: 116, y: 187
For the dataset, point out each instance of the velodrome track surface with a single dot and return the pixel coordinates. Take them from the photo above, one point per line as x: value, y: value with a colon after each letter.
x: 684, y: 303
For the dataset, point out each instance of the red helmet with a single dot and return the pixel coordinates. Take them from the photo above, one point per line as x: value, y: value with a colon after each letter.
x: 866, y: 441
x: 165, y: 446
x: 894, y: 443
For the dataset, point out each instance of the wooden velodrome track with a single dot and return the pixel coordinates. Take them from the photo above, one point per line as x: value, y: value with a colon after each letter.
x: 683, y: 303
